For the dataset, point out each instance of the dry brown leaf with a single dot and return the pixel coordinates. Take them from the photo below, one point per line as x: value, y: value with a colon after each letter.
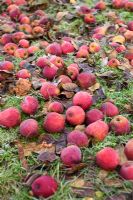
x: 119, y: 39
x: 80, y: 127
x: 94, y: 87
x: 73, y: 1
x: 78, y: 183
x: 123, y: 158
x: 37, y: 148
x: 76, y: 168
x: 23, y: 86
x: 67, y: 94
x: 112, y: 54
x: 47, y: 156
x: 22, y: 155
x: 102, y: 174
x: 116, y: 182
x: 70, y: 87
x: 60, y: 15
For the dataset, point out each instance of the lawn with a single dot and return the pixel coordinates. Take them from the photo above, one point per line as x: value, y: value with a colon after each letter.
x: 86, y: 181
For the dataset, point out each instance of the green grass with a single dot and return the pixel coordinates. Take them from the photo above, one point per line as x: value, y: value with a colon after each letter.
x: 11, y: 171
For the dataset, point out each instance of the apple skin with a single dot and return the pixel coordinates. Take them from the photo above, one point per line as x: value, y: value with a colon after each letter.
x: 54, y: 122
x: 126, y: 170
x: 89, y: 18
x: 49, y: 90
x: 128, y: 150
x: 113, y: 62
x: 71, y: 155
x: 82, y: 99
x: 78, y: 138
x: 75, y: 115
x: 107, y: 158
x: 130, y: 25
x: 93, y: 116
x: 56, y: 107
x: 120, y: 125
x: 29, y: 105
x: 98, y: 130
x: 6, y: 65
x: 29, y: 128
x: 10, y: 117
x: 109, y: 109
x: 54, y: 49
x: 94, y: 47
x: 67, y: 47
x: 86, y: 79
x: 38, y: 188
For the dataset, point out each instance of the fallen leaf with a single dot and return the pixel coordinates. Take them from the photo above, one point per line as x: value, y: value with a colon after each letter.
x: 30, y: 178
x: 85, y: 67
x: 75, y: 168
x: 100, y: 94
x: 80, y: 127
x: 99, y: 194
x: 108, y: 74
x: 46, y: 138
x: 66, y: 94
x: 61, y: 143
x: 78, y: 183
x: 70, y: 87
x: 118, y: 197
x: 116, y: 182
x: 122, y: 156
x: 102, y: 174
x: 94, y: 87
x: 119, y: 39
x: 37, y: 148
x: 84, y: 192
x: 22, y: 155
x: 22, y: 88
x: 47, y: 156
x: 73, y: 1
x: 60, y: 15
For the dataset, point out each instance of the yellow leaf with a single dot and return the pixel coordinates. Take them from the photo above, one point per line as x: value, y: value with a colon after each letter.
x: 99, y: 194
x: 72, y: 1
x: 78, y: 183
x: 118, y: 38
x: 37, y: 148
x: 94, y: 87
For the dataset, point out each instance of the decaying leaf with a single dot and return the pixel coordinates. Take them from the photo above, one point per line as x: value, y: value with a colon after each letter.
x: 80, y: 127
x: 102, y: 174
x: 22, y: 155
x: 22, y: 88
x: 73, y: 1
x: 119, y: 39
x: 38, y: 148
x: 76, y: 168
x: 61, y: 143
x: 38, y: 4
x: 114, y: 182
x: 94, y: 87
x: 78, y: 183
x: 66, y: 94
x: 84, y: 192
x: 60, y: 15
x: 119, y: 197
x: 70, y: 87
x: 47, y: 156
x: 30, y: 178
x: 123, y: 158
